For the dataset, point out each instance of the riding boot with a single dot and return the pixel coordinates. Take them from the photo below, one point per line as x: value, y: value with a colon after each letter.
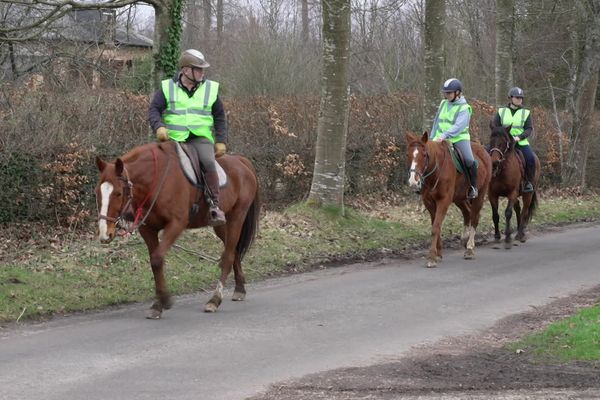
x: 472, y: 170
x: 527, y: 185
x: 217, y: 216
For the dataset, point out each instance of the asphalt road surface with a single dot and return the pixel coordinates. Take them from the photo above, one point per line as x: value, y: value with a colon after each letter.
x: 292, y: 326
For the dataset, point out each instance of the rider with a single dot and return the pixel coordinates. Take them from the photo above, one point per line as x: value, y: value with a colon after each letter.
x: 519, y: 119
x: 452, y: 122
x: 188, y: 109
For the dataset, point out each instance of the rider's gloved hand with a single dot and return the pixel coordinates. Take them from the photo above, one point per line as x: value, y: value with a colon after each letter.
x: 162, y: 134
x: 220, y: 149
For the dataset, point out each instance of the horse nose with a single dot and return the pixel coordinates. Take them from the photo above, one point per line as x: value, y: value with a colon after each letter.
x: 107, y: 239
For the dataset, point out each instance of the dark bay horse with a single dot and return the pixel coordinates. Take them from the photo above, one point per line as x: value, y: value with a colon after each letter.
x: 433, y: 173
x: 146, y: 189
x: 507, y: 176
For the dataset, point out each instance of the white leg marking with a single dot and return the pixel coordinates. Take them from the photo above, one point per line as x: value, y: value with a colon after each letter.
x: 219, y: 290
x: 471, y: 242
x: 105, y: 190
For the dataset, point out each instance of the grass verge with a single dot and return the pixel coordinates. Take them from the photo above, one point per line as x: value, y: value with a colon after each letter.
x: 574, y: 338
x: 38, y: 281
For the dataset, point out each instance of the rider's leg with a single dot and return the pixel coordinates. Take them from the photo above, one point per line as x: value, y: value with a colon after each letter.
x: 529, y: 167
x: 206, y: 154
x: 464, y: 146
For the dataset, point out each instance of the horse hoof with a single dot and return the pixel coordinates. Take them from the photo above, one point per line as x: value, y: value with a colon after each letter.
x: 167, y: 304
x: 431, y: 264
x: 153, y: 314
x: 496, y: 246
x: 238, y: 296
x: 210, y: 307
x: 508, y: 245
x: 469, y: 254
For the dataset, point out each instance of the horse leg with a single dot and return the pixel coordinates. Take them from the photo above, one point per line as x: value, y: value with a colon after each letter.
x: 523, y: 217
x: 517, y: 210
x: 495, y: 217
x: 508, y: 215
x: 232, y: 236
x: 239, y: 293
x: 435, y: 250
x: 157, y: 253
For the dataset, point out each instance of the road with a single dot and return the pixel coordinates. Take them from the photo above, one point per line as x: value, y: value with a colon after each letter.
x: 288, y: 327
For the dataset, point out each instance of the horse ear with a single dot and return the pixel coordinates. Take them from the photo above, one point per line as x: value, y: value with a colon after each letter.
x: 492, y: 126
x: 410, y: 137
x: 119, y: 167
x: 425, y: 137
x: 507, y: 130
x: 100, y: 164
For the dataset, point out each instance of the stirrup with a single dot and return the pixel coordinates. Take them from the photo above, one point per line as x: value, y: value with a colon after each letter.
x: 217, y: 216
x: 527, y: 187
x: 473, y: 193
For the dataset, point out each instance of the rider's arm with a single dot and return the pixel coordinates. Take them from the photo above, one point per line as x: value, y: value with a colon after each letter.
x: 157, y: 106
x: 527, y: 128
x: 220, y: 121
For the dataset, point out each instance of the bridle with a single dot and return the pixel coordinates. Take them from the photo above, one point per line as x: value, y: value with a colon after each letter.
x: 124, y: 227
x: 424, y: 175
x: 498, y: 164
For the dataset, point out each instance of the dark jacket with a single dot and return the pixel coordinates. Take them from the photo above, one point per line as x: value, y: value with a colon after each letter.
x: 159, y: 105
x: 527, y: 126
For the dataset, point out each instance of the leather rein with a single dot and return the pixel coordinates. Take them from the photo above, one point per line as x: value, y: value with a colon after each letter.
x: 123, y: 227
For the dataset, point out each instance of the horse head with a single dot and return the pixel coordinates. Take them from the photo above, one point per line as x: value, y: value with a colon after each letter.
x: 418, y: 159
x: 501, y: 142
x: 113, y: 198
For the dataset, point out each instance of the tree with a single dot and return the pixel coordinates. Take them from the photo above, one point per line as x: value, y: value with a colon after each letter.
x: 327, y: 187
x: 505, y: 11
x: 41, y: 15
x: 586, y: 83
x: 435, y: 12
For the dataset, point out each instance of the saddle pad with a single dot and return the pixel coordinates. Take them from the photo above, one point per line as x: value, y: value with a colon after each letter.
x: 457, y: 159
x: 188, y: 170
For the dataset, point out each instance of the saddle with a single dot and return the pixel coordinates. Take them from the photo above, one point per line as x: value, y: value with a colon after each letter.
x: 521, y: 159
x: 194, y: 173
x: 457, y: 159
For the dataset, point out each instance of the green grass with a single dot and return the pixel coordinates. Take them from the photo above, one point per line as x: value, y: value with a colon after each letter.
x: 84, y: 275
x: 574, y: 338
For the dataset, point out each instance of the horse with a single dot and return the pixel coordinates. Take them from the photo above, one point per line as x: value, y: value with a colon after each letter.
x: 507, y: 175
x: 146, y: 189
x: 433, y: 174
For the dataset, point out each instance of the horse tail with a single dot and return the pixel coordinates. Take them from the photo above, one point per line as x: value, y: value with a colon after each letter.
x: 532, y: 207
x: 250, y: 227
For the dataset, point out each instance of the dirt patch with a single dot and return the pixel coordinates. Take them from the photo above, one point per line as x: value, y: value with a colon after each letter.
x: 467, y: 367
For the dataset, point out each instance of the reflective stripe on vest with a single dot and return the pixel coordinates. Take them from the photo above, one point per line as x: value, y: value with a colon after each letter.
x: 517, y: 121
x: 185, y: 115
x: 447, y: 118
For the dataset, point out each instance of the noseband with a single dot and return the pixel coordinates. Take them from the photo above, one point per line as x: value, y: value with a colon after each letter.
x: 496, y: 169
x: 121, y: 219
x: 423, y: 175
x: 121, y: 222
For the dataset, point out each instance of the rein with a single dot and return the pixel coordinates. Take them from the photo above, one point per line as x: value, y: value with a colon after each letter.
x: 424, y: 175
x: 128, y: 191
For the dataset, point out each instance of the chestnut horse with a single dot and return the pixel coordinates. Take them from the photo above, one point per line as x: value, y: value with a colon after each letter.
x: 434, y: 175
x: 147, y: 189
x: 507, y: 176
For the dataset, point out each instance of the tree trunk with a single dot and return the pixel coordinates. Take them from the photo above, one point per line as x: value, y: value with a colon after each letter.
x: 304, y: 12
x: 435, y: 15
x: 167, y: 39
x: 585, y: 90
x: 328, y: 178
x: 219, y: 22
x: 505, y: 11
x: 207, y: 13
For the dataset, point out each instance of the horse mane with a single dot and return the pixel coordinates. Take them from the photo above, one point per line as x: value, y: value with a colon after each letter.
x: 133, y: 154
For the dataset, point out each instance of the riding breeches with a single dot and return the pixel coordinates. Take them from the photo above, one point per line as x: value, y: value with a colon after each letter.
x: 464, y: 147
x: 529, y: 157
x: 205, y: 150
